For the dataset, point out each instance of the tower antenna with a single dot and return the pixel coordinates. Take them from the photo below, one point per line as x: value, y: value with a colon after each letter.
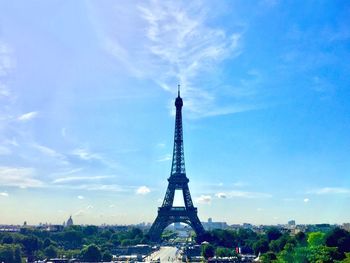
x: 178, y: 90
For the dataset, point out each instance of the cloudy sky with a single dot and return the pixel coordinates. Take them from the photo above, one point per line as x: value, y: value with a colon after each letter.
x: 86, y: 109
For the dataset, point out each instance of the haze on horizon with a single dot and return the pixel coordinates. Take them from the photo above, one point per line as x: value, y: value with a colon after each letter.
x: 87, y: 117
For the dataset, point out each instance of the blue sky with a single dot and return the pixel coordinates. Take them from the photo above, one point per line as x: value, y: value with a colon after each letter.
x: 86, y: 109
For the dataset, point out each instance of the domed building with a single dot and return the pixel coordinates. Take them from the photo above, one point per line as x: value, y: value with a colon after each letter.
x: 69, y: 221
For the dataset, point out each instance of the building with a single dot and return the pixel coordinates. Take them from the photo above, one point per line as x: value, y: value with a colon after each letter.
x: 291, y: 223
x: 69, y: 221
x: 210, y: 225
x: 346, y: 226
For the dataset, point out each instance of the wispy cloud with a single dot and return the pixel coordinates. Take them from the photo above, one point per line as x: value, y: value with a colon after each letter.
x: 19, y: 177
x: 95, y: 187
x: 221, y: 195
x: 203, y: 199
x: 80, y: 213
x: 79, y: 178
x: 80, y: 197
x: 12, y: 142
x: 161, y: 145
x: 51, y: 153
x: 330, y: 190
x: 4, y: 194
x: 164, y: 158
x: 85, y: 154
x: 143, y: 190
x: 177, y: 39
x: 28, y: 116
x: 7, y: 64
x: 243, y: 194
x: 4, y: 91
x: 306, y: 200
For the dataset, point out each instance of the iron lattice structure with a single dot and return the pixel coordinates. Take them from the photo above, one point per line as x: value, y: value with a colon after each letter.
x: 167, y: 213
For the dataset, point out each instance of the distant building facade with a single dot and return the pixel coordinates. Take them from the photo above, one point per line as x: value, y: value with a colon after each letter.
x: 210, y: 225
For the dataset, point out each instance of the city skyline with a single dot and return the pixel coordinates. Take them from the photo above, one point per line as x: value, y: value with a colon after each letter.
x: 87, y: 117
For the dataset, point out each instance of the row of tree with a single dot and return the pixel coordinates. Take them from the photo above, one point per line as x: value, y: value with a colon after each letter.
x: 91, y: 243
x: 74, y: 242
x: 275, y: 246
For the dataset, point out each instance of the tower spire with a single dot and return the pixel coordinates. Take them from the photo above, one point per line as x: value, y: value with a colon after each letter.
x: 178, y: 90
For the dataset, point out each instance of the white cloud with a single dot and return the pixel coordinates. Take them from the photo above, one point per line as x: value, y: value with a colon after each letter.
x: 80, y: 197
x: 51, y: 153
x: 79, y: 178
x: 161, y: 145
x: 27, y: 116
x: 165, y: 158
x: 67, y: 172
x: 4, y: 194
x: 12, y: 142
x: 64, y: 132
x: 143, y: 190
x: 221, y: 195
x: 306, y: 200
x: 89, y: 207
x: 330, y: 190
x: 246, y: 194
x: 178, y: 39
x: 94, y: 187
x: 85, y: 154
x: 4, y: 91
x: 203, y: 199
x: 46, y: 150
x: 7, y: 62
x: 80, y: 213
x: 19, y: 177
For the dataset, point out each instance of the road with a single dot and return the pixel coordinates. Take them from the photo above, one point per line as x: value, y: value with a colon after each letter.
x: 166, y: 254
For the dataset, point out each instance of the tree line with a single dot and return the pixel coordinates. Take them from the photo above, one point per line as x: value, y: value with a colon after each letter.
x: 87, y: 243
x: 275, y: 246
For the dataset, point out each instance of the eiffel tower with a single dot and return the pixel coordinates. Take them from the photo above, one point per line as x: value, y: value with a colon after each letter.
x: 167, y: 213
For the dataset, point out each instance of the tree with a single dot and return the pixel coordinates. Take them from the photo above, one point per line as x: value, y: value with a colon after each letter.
x: 322, y: 254
x: 278, y: 244
x: 316, y: 239
x: 300, y: 237
x: 50, y: 251
x: 208, y: 251
x: 260, y: 246
x: 225, y: 252
x: 47, y: 242
x: 107, y: 257
x: 72, y: 238
x: 273, y: 233
x: 30, y: 244
x: 338, y: 238
x: 347, y: 258
x: 268, y: 257
x: 7, y: 239
x: 91, y: 254
x: 115, y: 239
x: 90, y: 230
x: 10, y: 253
